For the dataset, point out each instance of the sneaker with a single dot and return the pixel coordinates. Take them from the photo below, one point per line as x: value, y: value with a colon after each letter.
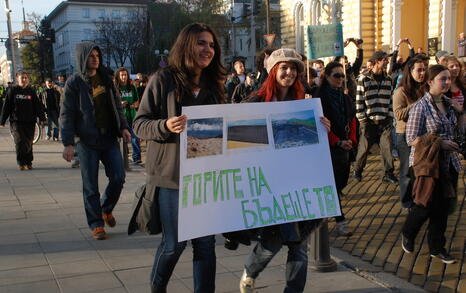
x: 109, y: 219
x: 444, y: 257
x: 407, y: 244
x: 29, y: 167
x: 48, y: 138
x: 137, y: 162
x: 99, y: 233
x: 390, y: 178
x: 357, y: 175
x: 75, y: 165
x: 22, y: 167
x: 342, y: 229
x: 246, y: 284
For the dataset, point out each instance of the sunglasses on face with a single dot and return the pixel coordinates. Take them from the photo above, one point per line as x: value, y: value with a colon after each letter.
x: 338, y: 75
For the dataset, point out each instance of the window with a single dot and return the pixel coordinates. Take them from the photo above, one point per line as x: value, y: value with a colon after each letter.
x: 101, y: 13
x: 299, y: 28
x: 87, y: 34
x: 115, y: 13
x: 86, y: 13
x: 60, y: 40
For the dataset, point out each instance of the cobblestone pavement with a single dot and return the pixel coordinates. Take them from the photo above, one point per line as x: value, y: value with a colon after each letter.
x: 374, y: 213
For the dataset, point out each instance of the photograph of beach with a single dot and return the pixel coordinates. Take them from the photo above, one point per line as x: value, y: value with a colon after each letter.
x: 247, y: 133
x: 205, y: 137
x: 294, y: 129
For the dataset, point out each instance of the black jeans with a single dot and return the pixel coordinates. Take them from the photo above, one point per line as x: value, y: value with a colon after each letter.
x: 23, y: 135
x: 341, y: 169
x: 436, y: 212
x: 372, y: 133
x: 406, y: 176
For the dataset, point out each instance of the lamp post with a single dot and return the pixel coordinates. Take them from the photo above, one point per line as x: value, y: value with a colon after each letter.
x: 160, y: 54
x: 11, y: 41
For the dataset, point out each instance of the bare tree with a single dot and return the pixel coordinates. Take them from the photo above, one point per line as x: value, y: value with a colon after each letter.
x: 120, y: 38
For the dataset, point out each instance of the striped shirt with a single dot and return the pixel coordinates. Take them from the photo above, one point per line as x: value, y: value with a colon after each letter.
x: 424, y: 117
x: 373, y: 98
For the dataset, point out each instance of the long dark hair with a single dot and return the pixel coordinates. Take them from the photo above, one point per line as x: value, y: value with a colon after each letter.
x: 413, y: 89
x: 118, y: 81
x: 181, y: 62
x: 328, y: 71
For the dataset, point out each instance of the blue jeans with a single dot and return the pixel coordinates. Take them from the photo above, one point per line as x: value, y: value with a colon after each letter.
x: 113, y: 162
x: 296, y: 263
x: 406, y: 183
x: 135, y: 145
x: 169, y: 251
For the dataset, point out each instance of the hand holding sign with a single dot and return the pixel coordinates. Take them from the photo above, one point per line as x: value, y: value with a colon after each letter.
x: 177, y: 124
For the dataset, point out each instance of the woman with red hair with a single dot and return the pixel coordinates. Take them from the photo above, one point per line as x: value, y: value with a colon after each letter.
x: 282, y: 84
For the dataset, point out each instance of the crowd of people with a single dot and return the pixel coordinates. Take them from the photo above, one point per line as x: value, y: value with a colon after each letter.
x: 413, y: 110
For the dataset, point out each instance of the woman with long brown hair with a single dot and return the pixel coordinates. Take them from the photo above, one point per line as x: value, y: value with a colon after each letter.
x: 282, y: 84
x: 194, y: 76
x: 411, y: 89
x: 130, y: 103
x: 430, y: 131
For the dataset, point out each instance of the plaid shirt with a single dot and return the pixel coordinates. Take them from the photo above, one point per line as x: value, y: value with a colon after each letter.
x: 424, y: 117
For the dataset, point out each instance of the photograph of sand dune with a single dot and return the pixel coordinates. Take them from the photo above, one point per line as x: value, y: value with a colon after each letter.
x: 205, y: 137
x: 247, y: 133
x: 294, y: 129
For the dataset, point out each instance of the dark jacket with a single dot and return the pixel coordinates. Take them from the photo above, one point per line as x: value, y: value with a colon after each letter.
x: 231, y: 84
x: 241, y: 92
x: 51, y: 100
x: 158, y: 103
x: 145, y: 211
x: 77, y: 117
x: 22, y: 105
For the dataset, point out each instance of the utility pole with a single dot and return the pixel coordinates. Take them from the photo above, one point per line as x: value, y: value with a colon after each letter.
x: 10, y: 37
x: 233, y: 29
x: 267, y: 15
x: 252, y: 50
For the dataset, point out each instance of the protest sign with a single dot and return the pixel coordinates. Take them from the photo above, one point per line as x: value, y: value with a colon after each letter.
x: 324, y: 40
x: 245, y: 166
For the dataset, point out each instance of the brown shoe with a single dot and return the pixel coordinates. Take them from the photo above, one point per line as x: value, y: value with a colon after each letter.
x: 29, y: 166
x: 109, y: 219
x: 99, y: 233
x: 22, y: 167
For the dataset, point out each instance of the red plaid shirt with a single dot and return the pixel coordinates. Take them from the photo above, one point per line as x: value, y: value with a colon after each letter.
x: 424, y: 117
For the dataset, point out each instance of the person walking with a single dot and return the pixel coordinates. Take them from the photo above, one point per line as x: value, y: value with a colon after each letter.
x: 411, y: 89
x: 375, y: 114
x: 430, y: 131
x: 50, y: 98
x: 338, y: 108
x: 194, y: 76
x: 91, y: 110
x: 23, y: 108
x: 130, y: 103
x: 282, y: 84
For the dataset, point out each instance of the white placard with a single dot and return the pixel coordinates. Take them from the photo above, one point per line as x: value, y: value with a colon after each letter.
x: 250, y: 165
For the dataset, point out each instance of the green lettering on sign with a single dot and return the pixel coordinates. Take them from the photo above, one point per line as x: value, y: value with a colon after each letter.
x: 330, y: 200
x: 186, y: 180
x: 320, y: 200
x: 197, y: 196
x: 247, y: 212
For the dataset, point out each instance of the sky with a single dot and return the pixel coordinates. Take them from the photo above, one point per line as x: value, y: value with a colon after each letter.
x: 40, y: 7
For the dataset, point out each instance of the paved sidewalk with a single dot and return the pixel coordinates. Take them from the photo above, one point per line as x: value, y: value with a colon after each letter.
x: 374, y: 213
x: 45, y: 245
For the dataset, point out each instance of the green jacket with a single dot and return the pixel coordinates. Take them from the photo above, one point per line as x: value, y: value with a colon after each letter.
x: 129, y: 94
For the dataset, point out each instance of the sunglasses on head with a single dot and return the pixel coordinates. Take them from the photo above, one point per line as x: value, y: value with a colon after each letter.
x: 338, y: 75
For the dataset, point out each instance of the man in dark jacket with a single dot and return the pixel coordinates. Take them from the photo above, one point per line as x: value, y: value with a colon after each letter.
x: 91, y: 111
x: 50, y: 97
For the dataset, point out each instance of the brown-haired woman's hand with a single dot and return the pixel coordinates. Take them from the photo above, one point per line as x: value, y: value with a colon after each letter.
x: 326, y: 123
x: 176, y: 124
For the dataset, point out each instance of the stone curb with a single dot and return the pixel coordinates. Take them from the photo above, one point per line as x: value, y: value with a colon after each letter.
x: 372, y: 273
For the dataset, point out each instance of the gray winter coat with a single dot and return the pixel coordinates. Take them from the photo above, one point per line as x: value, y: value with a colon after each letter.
x: 77, y: 114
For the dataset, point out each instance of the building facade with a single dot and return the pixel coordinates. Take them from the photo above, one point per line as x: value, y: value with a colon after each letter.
x: 431, y: 25
x: 74, y: 21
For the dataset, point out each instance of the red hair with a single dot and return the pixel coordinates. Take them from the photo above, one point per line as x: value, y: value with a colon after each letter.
x: 270, y: 86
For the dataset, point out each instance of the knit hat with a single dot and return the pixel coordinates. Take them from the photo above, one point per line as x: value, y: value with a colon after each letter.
x: 284, y: 55
x: 442, y: 53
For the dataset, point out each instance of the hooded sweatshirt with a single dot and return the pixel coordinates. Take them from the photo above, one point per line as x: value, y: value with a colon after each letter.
x: 78, y: 115
x: 22, y: 105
